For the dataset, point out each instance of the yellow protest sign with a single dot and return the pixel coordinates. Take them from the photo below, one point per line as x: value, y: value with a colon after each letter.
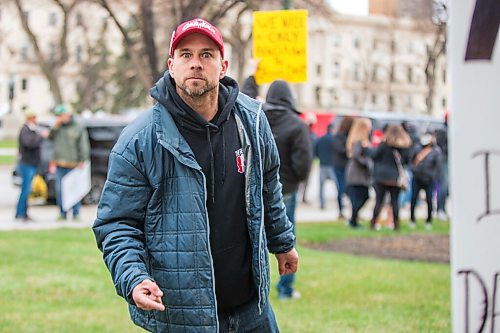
x: 280, y: 41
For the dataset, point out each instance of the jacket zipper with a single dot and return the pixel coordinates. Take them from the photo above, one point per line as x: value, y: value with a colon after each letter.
x: 209, y: 250
x: 261, y: 205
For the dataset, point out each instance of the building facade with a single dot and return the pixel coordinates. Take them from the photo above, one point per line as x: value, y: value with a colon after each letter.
x: 374, y: 63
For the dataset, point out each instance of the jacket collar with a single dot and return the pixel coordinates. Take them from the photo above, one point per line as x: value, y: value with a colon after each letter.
x: 170, y: 138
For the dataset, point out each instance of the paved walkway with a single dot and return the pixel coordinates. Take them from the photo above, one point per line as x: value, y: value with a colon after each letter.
x: 8, y: 151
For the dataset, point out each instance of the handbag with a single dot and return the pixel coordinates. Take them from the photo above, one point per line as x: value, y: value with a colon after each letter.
x: 402, y: 182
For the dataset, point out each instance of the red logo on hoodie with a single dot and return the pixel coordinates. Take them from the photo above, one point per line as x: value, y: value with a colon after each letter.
x: 240, y: 160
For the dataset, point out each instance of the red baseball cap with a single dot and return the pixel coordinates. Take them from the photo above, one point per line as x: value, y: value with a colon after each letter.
x: 196, y: 25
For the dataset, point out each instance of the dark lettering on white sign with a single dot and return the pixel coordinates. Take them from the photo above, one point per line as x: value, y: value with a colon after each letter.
x: 487, y: 153
x: 483, y: 30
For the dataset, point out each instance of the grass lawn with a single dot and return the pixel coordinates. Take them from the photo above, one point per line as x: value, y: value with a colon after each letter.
x: 55, y: 281
x: 12, y: 143
x: 8, y: 159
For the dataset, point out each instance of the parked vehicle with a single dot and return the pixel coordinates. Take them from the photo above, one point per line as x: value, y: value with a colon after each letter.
x: 423, y: 123
x: 103, y: 133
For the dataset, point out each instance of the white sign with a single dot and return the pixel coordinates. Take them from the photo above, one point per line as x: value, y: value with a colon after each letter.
x: 75, y: 185
x: 474, y: 54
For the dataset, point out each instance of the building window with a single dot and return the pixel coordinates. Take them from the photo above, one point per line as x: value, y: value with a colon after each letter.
x: 391, y: 101
x: 24, y: 84
x: 24, y: 52
x: 334, y: 98
x: 374, y: 99
x: 409, y: 101
x: 355, y: 99
x: 78, y: 54
x: 393, y: 46
x: 336, y: 40
x: 443, y: 102
x: 336, y: 68
x: 318, y: 69
x: 357, y: 43
x: 392, y: 73
x: 52, y: 19
x: 317, y: 93
x: 410, y: 74
x: 355, y: 71
x: 444, y: 76
x: 375, y: 73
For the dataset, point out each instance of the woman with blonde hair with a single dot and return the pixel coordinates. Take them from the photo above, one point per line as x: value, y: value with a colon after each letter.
x: 359, y: 167
x: 387, y: 159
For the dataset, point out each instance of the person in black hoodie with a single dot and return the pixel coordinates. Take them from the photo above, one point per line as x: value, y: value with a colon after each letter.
x: 292, y: 138
x: 202, y: 140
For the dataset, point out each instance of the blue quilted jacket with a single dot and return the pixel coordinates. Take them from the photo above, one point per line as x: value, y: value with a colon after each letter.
x: 152, y: 221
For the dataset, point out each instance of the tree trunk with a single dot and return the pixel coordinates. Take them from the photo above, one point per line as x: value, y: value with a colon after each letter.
x: 50, y: 72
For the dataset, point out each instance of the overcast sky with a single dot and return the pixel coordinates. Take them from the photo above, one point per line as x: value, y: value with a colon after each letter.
x: 351, y: 7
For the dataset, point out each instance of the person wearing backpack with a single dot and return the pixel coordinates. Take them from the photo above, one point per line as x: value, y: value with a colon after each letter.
x: 425, y: 166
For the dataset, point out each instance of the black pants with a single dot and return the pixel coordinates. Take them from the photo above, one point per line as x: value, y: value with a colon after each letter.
x: 358, y: 194
x: 380, y: 191
x: 428, y: 187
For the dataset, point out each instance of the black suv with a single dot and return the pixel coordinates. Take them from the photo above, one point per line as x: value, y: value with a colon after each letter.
x: 103, y: 133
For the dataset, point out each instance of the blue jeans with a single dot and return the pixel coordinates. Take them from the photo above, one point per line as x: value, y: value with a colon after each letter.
x: 325, y: 172
x: 60, y: 173
x: 285, y: 285
x: 246, y: 319
x: 27, y: 172
x: 340, y: 180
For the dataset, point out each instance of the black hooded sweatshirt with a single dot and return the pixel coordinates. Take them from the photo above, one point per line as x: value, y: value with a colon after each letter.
x: 291, y: 135
x: 217, y: 150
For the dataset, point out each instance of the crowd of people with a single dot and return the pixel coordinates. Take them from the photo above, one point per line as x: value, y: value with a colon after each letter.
x: 398, y: 169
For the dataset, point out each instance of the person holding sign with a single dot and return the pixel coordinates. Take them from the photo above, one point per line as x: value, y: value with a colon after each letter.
x: 193, y: 203
x: 71, y: 150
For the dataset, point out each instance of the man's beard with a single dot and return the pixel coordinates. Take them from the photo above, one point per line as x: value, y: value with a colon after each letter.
x: 198, y: 91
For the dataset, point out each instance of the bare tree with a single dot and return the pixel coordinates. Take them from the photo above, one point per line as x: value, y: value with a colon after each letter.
x: 50, y: 67
x: 436, y: 50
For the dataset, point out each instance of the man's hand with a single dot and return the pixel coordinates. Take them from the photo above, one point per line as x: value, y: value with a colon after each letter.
x: 147, y: 296
x: 288, y: 262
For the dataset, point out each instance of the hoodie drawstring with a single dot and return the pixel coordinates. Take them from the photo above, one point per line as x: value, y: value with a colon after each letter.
x: 212, y: 173
x: 223, y: 156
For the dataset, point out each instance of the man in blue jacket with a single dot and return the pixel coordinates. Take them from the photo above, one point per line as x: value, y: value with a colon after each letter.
x: 193, y: 203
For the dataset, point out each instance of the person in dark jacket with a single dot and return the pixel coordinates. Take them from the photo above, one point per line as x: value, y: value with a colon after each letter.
x: 324, y: 151
x: 292, y: 139
x: 30, y: 139
x: 339, y: 158
x: 388, y: 163
x: 442, y: 193
x: 193, y: 202
x: 425, y: 165
x: 359, y: 167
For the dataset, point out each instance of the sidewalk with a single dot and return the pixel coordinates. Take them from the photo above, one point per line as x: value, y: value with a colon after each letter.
x: 45, y: 215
